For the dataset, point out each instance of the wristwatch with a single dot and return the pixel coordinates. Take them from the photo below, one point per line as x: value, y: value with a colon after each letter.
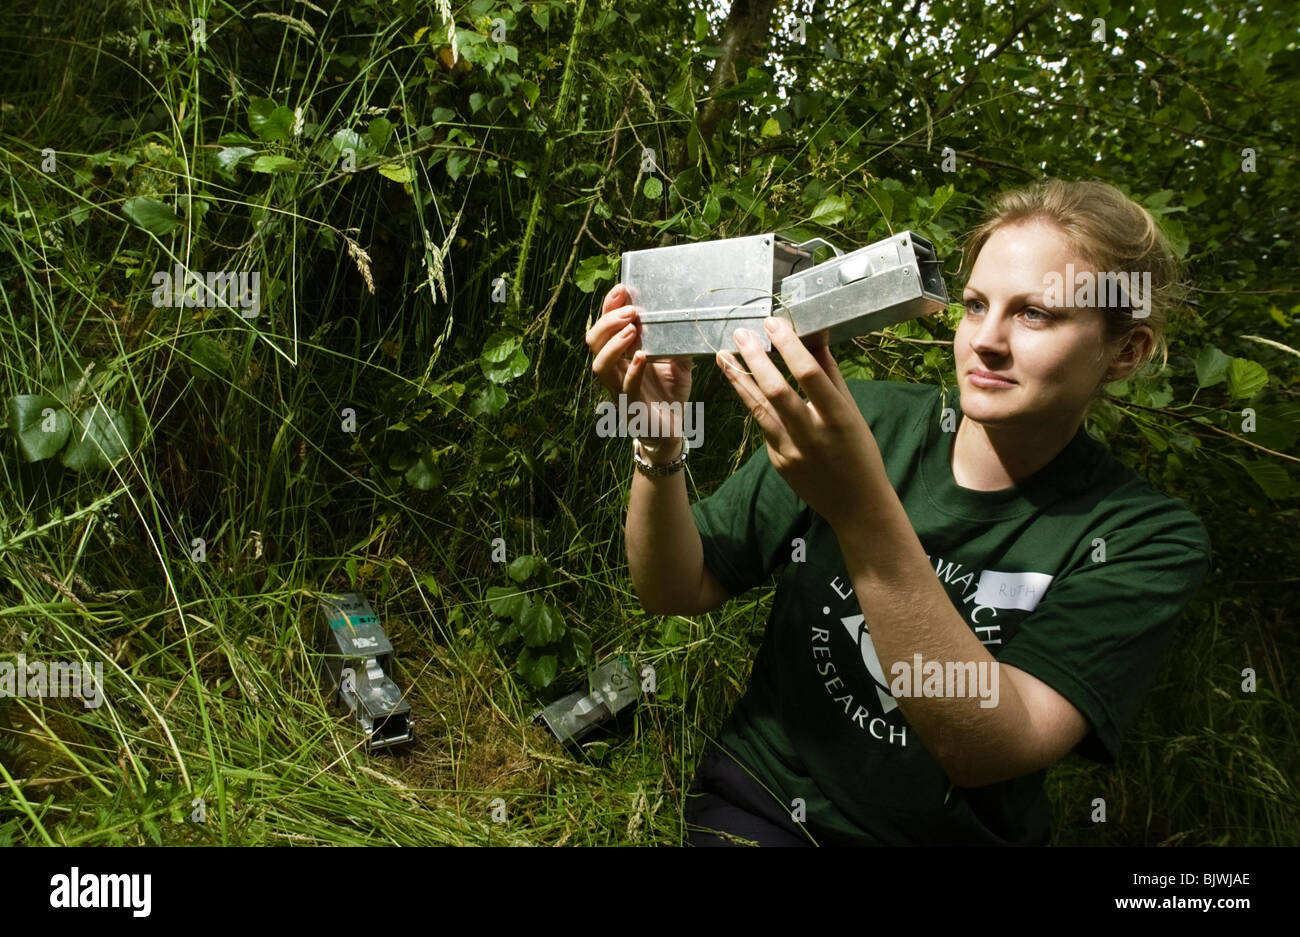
x: 650, y: 469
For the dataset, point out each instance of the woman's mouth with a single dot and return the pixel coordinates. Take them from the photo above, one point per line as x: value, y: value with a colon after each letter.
x: 981, y: 378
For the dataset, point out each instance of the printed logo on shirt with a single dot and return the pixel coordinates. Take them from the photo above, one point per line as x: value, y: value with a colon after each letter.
x: 980, y: 601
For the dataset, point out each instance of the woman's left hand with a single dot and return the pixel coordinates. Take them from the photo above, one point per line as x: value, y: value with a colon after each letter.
x: 822, y: 447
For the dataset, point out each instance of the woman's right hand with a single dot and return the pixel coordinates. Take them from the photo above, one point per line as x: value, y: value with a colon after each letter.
x: 618, y: 332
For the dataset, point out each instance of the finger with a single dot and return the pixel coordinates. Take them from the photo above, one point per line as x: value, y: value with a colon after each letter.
x: 823, y: 355
x: 609, y: 325
x: 790, y: 407
x: 825, y: 397
x: 759, y: 406
x: 633, y: 375
x: 609, y: 364
x: 617, y: 296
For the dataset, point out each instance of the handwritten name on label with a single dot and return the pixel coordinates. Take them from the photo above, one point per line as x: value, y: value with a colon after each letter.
x: 1011, y: 590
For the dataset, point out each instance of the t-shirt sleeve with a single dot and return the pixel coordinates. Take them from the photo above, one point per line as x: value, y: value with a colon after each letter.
x: 747, y: 525
x: 1098, y: 634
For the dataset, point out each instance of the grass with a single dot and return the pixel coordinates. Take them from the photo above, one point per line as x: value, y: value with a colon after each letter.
x: 215, y: 699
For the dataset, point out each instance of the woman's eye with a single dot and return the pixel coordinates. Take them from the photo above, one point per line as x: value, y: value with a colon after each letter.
x: 973, y: 302
x: 1040, y: 315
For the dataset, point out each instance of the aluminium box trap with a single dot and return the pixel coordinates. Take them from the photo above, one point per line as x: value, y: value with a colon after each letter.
x: 357, y: 658
x: 611, y: 689
x: 691, y: 298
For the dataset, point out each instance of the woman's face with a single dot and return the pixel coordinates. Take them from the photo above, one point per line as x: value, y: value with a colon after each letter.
x: 1050, y: 358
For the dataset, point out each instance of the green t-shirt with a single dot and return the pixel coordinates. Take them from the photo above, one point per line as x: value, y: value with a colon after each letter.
x: 1076, y: 576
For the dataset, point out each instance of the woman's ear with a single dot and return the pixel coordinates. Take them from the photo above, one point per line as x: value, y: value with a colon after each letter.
x: 1135, y: 350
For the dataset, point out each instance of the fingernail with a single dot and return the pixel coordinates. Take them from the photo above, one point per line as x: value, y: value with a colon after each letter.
x: 770, y: 324
x: 627, y: 331
x: 742, y: 336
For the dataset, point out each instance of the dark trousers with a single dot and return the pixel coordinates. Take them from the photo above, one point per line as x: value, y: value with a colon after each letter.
x: 724, y: 799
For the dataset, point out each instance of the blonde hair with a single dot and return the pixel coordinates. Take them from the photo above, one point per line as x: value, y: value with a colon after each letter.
x: 1109, y: 231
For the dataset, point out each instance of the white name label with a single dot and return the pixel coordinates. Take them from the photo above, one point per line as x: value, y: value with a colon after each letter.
x: 1011, y: 590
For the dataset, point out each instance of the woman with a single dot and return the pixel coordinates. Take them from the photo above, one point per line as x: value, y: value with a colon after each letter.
x: 972, y: 586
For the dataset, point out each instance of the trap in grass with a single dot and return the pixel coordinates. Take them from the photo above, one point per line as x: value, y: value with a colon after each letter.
x: 357, y: 657
x: 691, y: 298
x: 612, y: 689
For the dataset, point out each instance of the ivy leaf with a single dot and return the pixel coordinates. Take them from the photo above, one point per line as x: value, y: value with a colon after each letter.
x: 538, y: 670
x: 40, y: 434
x: 541, y: 624
x: 1246, y: 378
x: 154, y: 216
x: 652, y: 188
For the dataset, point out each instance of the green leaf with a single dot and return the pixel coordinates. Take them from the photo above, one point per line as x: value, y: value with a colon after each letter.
x: 771, y: 128
x: 39, y: 424
x: 1153, y: 437
x: 489, y: 401
x: 1211, y: 366
x: 538, y: 670
x: 505, y: 371
x: 712, y: 210
x: 269, y: 122
x: 275, y: 164
x: 1246, y: 378
x: 507, y: 601
x: 581, y: 645
x: 210, y: 357
x: 398, y: 172
x: 154, y: 216
x: 521, y: 567
x: 652, y: 188
x: 381, y: 130
x: 830, y: 210
x: 541, y: 624
x: 593, y: 270
x: 98, y: 440
x: 456, y: 163
x: 229, y: 157
x: 1272, y: 478
x: 425, y: 474
x: 351, y: 140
